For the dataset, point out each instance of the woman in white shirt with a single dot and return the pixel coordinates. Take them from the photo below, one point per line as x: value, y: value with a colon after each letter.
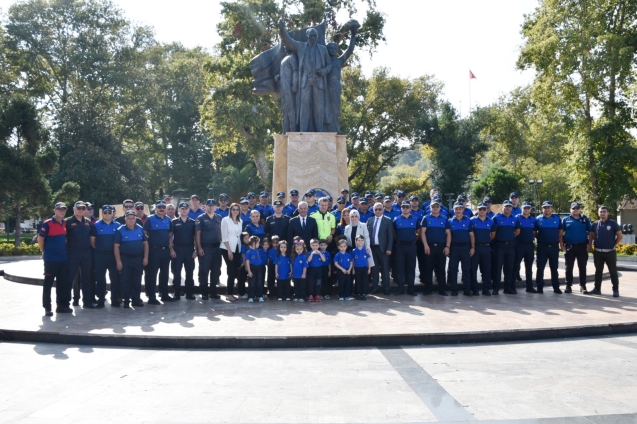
x: 231, y: 227
x: 357, y: 228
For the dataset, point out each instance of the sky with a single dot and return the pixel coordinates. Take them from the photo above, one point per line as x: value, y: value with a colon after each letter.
x: 441, y: 38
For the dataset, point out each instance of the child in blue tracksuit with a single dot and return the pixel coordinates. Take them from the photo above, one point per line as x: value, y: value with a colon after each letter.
x: 254, y: 266
x: 299, y: 269
x: 315, y: 261
x: 283, y: 268
x: 344, y: 263
x: 362, y: 267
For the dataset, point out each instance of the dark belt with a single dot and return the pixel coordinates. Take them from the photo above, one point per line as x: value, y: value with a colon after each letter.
x: 549, y: 245
x: 524, y: 242
x: 192, y: 246
x: 461, y: 244
x: 437, y: 244
x: 483, y: 245
x: 406, y: 242
x: 159, y: 247
x: 211, y: 244
x: 506, y: 243
x: 131, y: 256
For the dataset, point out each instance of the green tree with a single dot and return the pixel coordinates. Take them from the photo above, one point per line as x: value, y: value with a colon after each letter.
x: 236, y: 182
x: 584, y: 53
x: 236, y: 118
x: 497, y: 183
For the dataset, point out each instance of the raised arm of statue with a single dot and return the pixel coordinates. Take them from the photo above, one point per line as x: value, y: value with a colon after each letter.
x: 288, y: 42
x: 350, y: 48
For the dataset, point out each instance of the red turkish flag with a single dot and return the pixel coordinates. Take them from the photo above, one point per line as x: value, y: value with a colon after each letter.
x: 471, y: 76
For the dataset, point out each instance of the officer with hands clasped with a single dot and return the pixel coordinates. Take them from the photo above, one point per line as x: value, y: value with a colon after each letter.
x: 159, y: 231
x: 436, y: 238
x: 103, y: 240
x: 131, y: 256
x: 548, y: 232
x: 576, y: 243
x: 183, y: 252
x: 607, y: 234
x: 461, y: 251
x: 407, y: 228
x: 503, y: 235
x: 208, y: 238
x: 524, y: 245
x: 481, y: 226
x: 78, y: 247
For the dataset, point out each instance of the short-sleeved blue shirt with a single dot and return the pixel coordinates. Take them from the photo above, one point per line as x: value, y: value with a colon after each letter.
x: 576, y: 230
x: 272, y: 254
x: 418, y: 213
x: 328, y: 258
x: 504, y: 227
x: 467, y: 212
x: 222, y: 213
x: 605, y: 234
x: 391, y: 214
x: 460, y: 229
x: 289, y: 209
x: 516, y: 211
x: 78, y: 235
x: 300, y: 263
x: 361, y: 257
x: 316, y: 261
x: 254, y: 256
x: 54, y: 235
x: 526, y: 226
x: 406, y: 228
x: 548, y: 229
x: 131, y: 242
x: 158, y: 230
x: 265, y: 211
x: 104, y: 235
x: 255, y: 230
x: 436, y: 226
x: 482, y: 229
x: 195, y: 214
x: 284, y: 264
x: 364, y: 217
x: 344, y: 260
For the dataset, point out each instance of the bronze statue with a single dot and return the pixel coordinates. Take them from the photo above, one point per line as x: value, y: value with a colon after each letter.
x: 288, y: 84
x: 334, y: 80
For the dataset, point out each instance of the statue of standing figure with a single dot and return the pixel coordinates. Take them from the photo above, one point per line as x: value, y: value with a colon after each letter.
x: 289, y: 85
x: 334, y: 87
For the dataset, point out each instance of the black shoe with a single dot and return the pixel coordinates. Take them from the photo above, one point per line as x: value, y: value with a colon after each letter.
x: 454, y: 292
x: 531, y: 290
x: 140, y: 304
x: 63, y: 309
x: 615, y: 293
x: 76, y: 302
x: 467, y: 293
x: 427, y: 293
x: 204, y: 297
x: 582, y: 289
x: 176, y: 297
x: 387, y: 292
x: 99, y: 305
x: 89, y: 306
x: 518, y: 279
x: 153, y: 301
x: 495, y: 292
x: 374, y: 291
x: 399, y: 292
x: 568, y: 289
x: 540, y: 290
x: 116, y: 305
x: 508, y: 291
x: 48, y: 312
x: 126, y: 305
x: 363, y: 297
x: 442, y: 293
x: 486, y: 293
x: 166, y: 299
x: 476, y: 293
x: 215, y: 296
x: 595, y: 292
x: 190, y: 296
x: 412, y: 293
x: 557, y: 290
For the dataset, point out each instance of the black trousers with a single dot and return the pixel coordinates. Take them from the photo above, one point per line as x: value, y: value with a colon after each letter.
x: 547, y: 253
x: 505, y: 259
x: 185, y: 260
x: 435, y: 261
x: 405, y: 266
x: 58, y: 272
x: 130, y: 278
x: 314, y: 280
x: 210, y: 263
x: 80, y: 264
x: 460, y: 255
x: 255, y: 288
x: 576, y: 252
x: 610, y: 259
x: 526, y: 252
x: 232, y: 268
x: 283, y: 289
x: 420, y: 255
x: 158, y: 261
x: 300, y: 287
x: 344, y: 284
x: 362, y: 279
x: 105, y: 262
x: 380, y: 271
x: 481, y: 258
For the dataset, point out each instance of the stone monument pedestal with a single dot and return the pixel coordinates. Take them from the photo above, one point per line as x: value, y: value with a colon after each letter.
x: 310, y: 160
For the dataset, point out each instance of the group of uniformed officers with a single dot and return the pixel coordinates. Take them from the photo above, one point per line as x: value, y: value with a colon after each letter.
x: 398, y: 234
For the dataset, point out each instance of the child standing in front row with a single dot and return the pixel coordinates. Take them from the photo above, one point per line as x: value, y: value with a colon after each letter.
x: 299, y: 269
x: 326, y: 284
x: 343, y: 262
x: 283, y: 268
x: 362, y: 267
x: 315, y: 272
x: 263, y: 251
x: 254, y: 266
x: 272, y: 255
x: 243, y: 272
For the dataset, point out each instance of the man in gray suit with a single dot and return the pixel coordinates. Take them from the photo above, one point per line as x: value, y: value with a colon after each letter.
x: 381, y: 237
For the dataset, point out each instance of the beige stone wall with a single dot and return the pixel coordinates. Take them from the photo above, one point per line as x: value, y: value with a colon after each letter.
x: 310, y: 160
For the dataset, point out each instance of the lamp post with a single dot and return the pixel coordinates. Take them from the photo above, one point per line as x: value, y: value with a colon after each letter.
x: 534, y: 183
x: 450, y: 200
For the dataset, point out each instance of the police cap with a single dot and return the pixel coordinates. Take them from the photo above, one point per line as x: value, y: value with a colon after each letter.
x: 507, y: 203
x: 547, y: 204
x: 129, y: 212
x: 60, y: 205
x: 211, y: 202
x: 108, y: 208
x: 278, y: 203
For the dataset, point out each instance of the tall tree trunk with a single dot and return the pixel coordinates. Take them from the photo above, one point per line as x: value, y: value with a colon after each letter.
x: 18, y: 227
x: 263, y: 168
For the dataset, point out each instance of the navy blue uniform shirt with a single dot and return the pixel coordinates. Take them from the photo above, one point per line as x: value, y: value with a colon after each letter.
x: 482, y: 229
x: 78, y: 233
x: 605, y: 234
x: 184, y: 232
x: 210, y: 228
x: 406, y: 228
x: 54, y: 235
x: 104, y: 235
x: 361, y: 257
x: 436, y: 226
x: 265, y: 211
x: 158, y: 230
x: 548, y: 229
x: 576, y: 230
x: 460, y: 229
x: 131, y: 242
x: 255, y: 230
x: 277, y: 226
x: 526, y: 226
x: 392, y: 214
x: 504, y: 227
x: 222, y: 213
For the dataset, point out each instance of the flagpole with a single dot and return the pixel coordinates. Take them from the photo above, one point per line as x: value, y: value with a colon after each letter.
x: 470, y: 92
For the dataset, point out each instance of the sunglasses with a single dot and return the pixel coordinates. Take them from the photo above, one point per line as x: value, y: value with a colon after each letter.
x: 576, y: 207
x: 294, y: 195
x: 140, y: 208
x: 223, y: 200
x: 80, y: 208
x: 435, y: 207
x: 405, y: 207
x: 107, y: 212
x: 234, y: 209
x: 377, y: 209
x: 161, y: 207
x: 128, y: 206
x: 89, y: 209
x: 482, y: 209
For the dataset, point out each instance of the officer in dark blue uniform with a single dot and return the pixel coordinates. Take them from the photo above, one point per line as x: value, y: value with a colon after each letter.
x: 291, y: 206
x: 244, y: 212
x: 159, y: 231
x: 467, y: 211
x: 208, y: 238
x: 338, y: 212
x: 576, y: 242
x: 277, y: 224
x: 514, y: 198
x: 128, y: 205
x: 345, y: 195
x: 183, y: 252
x: 443, y: 209
x: 254, y: 228
x: 432, y: 194
x: 524, y: 245
x: 389, y: 210
x: 78, y: 248
x: 481, y: 226
x: 223, y: 210
x: 487, y: 201
x: 420, y: 248
x: 607, y: 234
x: 407, y: 229
x: 365, y: 211
x: 461, y: 251
x: 436, y: 239
x: 264, y: 208
x: 103, y: 240
x: 504, y: 225
x: 195, y: 208
x: 131, y: 256
x: 548, y: 232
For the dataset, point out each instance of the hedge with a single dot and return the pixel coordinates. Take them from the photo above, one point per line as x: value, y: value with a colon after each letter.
x: 8, y: 249
x: 627, y: 249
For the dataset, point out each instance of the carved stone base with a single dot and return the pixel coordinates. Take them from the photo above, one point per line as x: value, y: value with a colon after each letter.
x: 310, y: 160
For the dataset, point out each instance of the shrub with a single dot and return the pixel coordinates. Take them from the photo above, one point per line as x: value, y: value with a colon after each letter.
x: 24, y: 249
